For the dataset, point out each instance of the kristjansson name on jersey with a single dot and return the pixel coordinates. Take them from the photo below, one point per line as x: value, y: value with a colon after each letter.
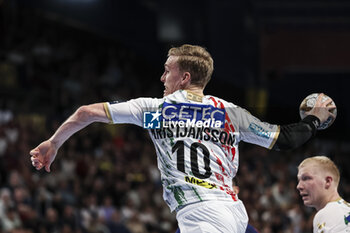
x: 206, y: 134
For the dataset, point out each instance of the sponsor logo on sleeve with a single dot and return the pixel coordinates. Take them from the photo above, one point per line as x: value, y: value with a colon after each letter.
x: 260, y: 131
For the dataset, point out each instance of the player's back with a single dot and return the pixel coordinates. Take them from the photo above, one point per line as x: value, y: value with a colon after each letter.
x: 196, y: 148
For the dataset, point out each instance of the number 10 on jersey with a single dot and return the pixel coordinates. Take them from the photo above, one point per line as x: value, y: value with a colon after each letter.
x: 180, y: 150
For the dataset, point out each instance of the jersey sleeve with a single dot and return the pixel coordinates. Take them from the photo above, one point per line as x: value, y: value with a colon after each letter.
x: 252, y: 130
x: 130, y: 112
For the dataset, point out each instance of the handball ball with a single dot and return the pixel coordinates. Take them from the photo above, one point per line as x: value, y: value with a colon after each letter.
x: 309, y: 102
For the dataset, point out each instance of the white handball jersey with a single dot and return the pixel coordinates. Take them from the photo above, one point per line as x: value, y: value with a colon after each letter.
x: 333, y: 218
x: 197, y: 142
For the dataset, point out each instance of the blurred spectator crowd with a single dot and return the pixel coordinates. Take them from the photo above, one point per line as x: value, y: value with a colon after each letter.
x: 105, y: 178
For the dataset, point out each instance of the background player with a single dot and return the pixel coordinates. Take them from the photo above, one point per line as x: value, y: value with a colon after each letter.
x: 197, y: 164
x: 318, y: 186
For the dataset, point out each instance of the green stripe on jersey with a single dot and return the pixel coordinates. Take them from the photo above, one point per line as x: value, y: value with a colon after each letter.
x: 197, y: 194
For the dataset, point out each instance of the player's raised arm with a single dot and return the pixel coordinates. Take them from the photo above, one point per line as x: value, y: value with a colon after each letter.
x: 44, y: 154
x: 294, y: 135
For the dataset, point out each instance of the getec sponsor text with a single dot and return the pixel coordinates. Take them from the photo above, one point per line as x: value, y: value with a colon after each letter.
x: 192, y: 115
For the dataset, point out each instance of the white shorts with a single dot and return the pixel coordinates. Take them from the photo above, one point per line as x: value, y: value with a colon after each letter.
x: 213, y: 217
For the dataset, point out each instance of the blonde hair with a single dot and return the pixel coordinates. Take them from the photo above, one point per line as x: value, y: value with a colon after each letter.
x: 324, y: 164
x: 196, y: 60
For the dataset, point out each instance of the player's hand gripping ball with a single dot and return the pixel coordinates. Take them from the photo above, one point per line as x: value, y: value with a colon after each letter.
x: 309, y: 102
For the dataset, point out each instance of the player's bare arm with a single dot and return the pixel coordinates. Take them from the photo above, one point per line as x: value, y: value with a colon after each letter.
x: 44, y: 154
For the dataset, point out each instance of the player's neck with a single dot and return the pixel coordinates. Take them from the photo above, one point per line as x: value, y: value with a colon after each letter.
x: 331, y: 198
x: 195, y: 90
x: 334, y: 197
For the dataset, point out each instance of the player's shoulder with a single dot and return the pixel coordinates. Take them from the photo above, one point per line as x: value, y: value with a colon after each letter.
x: 219, y: 102
x: 176, y: 97
x: 330, y: 207
x: 149, y: 99
x: 229, y: 106
x: 333, y: 210
x: 183, y: 96
x: 146, y: 103
x: 335, y: 215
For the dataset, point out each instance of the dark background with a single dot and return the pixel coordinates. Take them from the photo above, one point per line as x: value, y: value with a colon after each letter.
x: 56, y: 55
x: 268, y: 55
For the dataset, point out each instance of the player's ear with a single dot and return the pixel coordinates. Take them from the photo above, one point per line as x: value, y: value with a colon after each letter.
x: 186, y: 78
x: 329, y: 181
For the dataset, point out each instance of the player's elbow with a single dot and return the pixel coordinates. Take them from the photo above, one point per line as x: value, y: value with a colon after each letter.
x: 85, y: 114
x: 92, y: 113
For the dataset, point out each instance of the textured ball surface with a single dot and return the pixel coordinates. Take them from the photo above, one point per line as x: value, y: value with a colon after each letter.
x: 309, y: 102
